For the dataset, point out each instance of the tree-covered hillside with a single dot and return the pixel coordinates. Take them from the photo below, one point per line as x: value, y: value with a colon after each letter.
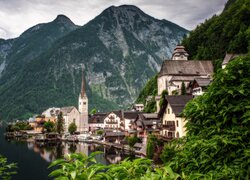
x: 228, y: 32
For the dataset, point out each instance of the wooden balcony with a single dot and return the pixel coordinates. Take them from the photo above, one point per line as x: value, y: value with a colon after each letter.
x: 168, y: 127
x: 111, y: 122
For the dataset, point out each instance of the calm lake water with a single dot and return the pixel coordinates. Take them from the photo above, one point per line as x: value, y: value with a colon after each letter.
x: 33, y: 160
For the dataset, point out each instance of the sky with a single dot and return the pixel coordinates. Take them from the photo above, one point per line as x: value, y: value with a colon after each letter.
x: 16, y: 16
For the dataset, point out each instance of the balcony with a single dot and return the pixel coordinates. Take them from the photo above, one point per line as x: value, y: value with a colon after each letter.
x: 168, y: 127
x: 111, y: 122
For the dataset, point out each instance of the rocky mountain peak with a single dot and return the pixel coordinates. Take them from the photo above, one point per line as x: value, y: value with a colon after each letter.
x: 62, y: 18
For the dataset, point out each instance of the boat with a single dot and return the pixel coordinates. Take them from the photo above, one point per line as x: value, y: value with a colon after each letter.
x: 72, y: 138
x: 84, y: 137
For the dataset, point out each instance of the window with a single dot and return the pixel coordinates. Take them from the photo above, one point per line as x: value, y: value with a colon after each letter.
x: 178, y: 86
x: 170, y: 134
x: 168, y: 111
x: 177, y: 134
x: 80, y: 103
x: 177, y: 123
x: 84, y: 103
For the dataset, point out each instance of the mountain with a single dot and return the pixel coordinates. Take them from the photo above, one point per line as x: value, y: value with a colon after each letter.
x: 118, y: 51
x: 228, y: 32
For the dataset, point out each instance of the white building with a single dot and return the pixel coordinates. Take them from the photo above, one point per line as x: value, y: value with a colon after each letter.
x: 173, y: 124
x: 51, y: 112
x: 138, y: 107
x: 70, y: 115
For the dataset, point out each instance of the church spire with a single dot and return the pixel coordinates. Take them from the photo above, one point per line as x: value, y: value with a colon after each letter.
x: 83, y: 88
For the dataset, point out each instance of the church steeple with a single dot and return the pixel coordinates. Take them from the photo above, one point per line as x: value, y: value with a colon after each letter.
x: 83, y: 87
x: 83, y: 99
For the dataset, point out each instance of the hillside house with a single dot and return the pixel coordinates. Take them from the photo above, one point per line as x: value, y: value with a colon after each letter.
x: 96, y: 121
x: 173, y: 124
x: 145, y: 124
x: 198, y: 86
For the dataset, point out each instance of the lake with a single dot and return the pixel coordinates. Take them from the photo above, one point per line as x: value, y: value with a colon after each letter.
x: 33, y: 159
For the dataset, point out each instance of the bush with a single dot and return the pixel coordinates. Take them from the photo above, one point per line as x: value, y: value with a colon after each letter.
x: 72, y: 128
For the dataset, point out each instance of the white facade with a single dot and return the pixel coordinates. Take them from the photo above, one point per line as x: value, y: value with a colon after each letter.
x: 69, y: 117
x: 112, y: 121
x: 51, y: 112
x: 170, y: 119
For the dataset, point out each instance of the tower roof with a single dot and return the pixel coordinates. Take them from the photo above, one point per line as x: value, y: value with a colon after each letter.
x: 83, y: 87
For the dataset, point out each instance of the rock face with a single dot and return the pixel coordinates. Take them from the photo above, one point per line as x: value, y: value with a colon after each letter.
x: 119, y: 51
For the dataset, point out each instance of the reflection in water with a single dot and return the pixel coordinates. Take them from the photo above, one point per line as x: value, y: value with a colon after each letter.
x: 55, y: 151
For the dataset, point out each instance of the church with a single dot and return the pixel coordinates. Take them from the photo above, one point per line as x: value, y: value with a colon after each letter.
x: 83, y: 107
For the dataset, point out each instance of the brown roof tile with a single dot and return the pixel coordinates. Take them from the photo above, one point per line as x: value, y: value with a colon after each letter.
x: 184, y: 67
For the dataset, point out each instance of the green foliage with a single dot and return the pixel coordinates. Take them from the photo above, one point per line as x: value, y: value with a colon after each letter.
x: 93, y: 111
x: 72, y: 128
x: 228, y: 32
x: 175, y: 92
x: 151, y: 146
x: 217, y: 143
x: 49, y: 126
x: 99, y: 132
x: 6, y: 170
x: 150, y: 89
x: 80, y: 166
x: 132, y: 140
x: 150, y: 107
x: 183, y: 89
x: 19, y: 126
x: 163, y: 94
x: 60, y: 123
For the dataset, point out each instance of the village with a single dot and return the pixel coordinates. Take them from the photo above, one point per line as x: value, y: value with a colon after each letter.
x: 179, y: 81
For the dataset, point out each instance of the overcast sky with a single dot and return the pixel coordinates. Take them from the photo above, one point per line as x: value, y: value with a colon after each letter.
x: 16, y: 16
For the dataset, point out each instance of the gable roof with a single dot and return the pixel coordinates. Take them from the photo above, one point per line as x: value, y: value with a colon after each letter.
x: 177, y: 104
x: 66, y: 110
x: 97, y: 118
x: 131, y: 114
x: 203, y: 82
x: 185, y: 67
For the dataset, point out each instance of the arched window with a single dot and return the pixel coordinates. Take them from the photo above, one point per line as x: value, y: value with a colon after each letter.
x: 177, y: 123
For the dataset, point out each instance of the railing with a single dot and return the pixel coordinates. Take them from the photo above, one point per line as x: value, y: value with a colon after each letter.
x: 168, y: 127
x: 111, y: 122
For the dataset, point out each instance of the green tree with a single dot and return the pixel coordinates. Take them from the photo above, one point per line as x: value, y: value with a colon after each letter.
x: 163, y: 95
x: 183, y: 89
x: 132, y: 140
x: 99, y: 132
x: 60, y: 123
x: 72, y: 128
x: 49, y: 126
x: 93, y: 111
x: 6, y: 170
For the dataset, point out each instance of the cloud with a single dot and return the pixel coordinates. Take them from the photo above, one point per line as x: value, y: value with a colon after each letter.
x: 16, y: 16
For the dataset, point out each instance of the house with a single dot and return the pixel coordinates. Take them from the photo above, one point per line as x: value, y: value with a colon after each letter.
x: 70, y: 115
x: 198, y: 86
x: 128, y: 118
x: 145, y: 124
x: 113, y: 120
x: 173, y: 124
x: 39, y: 121
x: 51, y: 112
x: 96, y: 121
x: 180, y: 70
x: 228, y: 57
x: 114, y: 137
